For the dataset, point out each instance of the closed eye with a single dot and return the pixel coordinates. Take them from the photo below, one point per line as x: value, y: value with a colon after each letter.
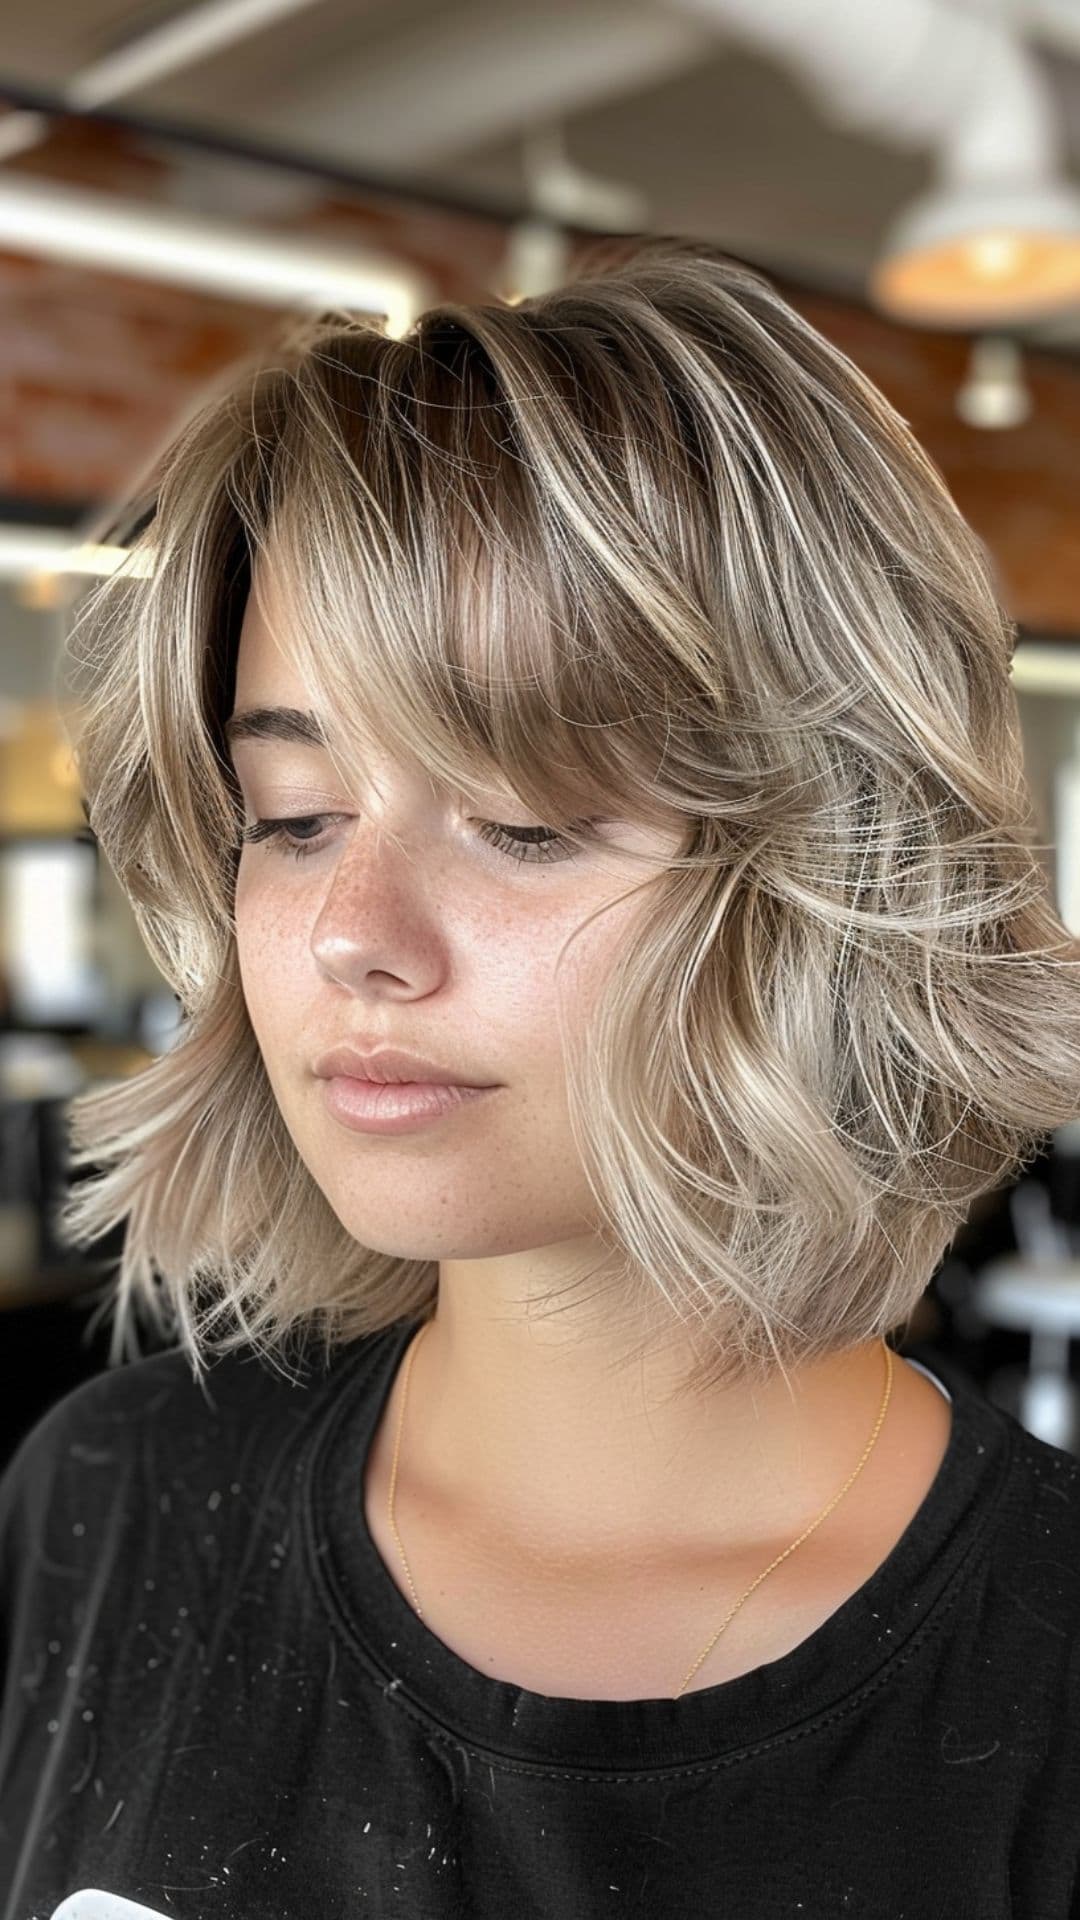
x: 532, y: 846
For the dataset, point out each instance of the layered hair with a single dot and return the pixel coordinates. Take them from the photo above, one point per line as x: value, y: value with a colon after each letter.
x: 646, y: 543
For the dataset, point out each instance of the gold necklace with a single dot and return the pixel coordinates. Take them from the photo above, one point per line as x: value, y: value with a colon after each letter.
x: 753, y: 1584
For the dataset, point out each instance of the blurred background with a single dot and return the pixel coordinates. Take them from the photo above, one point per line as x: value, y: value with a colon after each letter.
x: 173, y: 178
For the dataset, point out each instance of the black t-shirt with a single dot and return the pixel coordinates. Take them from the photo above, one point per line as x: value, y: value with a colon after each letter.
x: 218, y: 1702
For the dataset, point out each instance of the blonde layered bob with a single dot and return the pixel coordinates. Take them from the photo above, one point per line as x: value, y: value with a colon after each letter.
x: 646, y: 542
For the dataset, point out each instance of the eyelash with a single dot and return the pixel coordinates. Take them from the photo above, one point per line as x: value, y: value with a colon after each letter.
x: 550, y: 846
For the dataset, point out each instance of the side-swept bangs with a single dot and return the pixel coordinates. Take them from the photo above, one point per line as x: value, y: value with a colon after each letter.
x: 441, y: 605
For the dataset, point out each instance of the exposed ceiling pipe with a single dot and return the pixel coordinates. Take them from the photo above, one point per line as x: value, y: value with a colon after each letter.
x: 154, y: 242
x: 917, y: 73
x: 173, y: 44
x: 29, y: 552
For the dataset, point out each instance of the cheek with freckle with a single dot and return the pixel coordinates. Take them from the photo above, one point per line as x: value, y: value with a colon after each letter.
x: 273, y: 976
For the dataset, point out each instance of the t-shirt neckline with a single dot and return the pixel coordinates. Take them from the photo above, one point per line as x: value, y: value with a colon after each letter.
x: 859, y: 1647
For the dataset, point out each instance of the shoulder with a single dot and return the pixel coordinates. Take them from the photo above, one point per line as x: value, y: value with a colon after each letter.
x: 1044, y: 1488
x: 1030, y: 1563
x: 123, y: 1400
x: 154, y: 1415
x: 1022, y: 1493
x: 92, y: 1420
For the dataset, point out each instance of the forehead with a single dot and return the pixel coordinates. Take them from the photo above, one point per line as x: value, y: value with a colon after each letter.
x: 267, y: 677
x: 286, y: 708
x: 262, y: 664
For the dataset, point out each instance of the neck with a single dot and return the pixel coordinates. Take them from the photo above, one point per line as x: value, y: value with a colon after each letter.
x: 533, y: 1434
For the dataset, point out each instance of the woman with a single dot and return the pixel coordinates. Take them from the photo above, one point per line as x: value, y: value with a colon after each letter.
x: 613, y: 672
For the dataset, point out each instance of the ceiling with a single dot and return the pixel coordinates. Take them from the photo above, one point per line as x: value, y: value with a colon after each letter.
x: 720, y: 131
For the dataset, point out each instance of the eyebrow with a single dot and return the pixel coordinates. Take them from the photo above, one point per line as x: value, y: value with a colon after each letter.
x: 294, y: 724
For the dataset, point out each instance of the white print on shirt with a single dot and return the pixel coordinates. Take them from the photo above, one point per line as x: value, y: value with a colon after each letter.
x: 93, y: 1903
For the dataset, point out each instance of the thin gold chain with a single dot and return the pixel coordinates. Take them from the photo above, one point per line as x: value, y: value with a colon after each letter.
x: 755, y: 1583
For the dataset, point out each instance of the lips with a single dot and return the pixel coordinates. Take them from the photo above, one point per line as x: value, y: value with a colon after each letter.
x: 390, y: 1066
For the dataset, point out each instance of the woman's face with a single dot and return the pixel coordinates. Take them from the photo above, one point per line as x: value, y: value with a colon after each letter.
x: 403, y: 926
